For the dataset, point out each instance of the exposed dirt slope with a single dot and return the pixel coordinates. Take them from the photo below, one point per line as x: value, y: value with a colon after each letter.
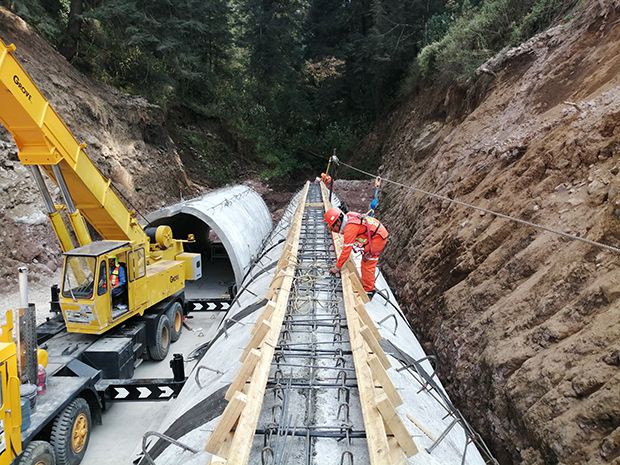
x: 124, y: 136
x: 526, y: 324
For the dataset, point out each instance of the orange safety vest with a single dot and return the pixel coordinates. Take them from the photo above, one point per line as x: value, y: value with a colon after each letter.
x: 373, y: 226
x: 360, y: 231
x: 326, y: 178
x: 114, y: 276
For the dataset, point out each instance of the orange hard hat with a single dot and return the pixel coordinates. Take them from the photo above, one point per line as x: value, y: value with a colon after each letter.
x: 332, y: 215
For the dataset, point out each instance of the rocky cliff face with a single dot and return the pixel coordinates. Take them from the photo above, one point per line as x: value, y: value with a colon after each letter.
x: 526, y: 324
x: 125, y: 138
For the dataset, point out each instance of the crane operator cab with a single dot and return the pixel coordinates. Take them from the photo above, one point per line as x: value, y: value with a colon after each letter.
x: 103, y: 263
x: 118, y: 285
x: 107, y: 282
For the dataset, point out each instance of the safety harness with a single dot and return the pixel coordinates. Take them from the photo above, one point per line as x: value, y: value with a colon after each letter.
x: 373, y: 228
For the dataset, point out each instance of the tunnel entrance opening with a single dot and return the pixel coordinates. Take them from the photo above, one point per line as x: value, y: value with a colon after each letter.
x: 218, y: 278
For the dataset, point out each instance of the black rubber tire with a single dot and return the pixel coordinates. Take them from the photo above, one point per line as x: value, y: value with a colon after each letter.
x: 37, y: 453
x: 175, y: 315
x: 158, y: 349
x: 63, y: 430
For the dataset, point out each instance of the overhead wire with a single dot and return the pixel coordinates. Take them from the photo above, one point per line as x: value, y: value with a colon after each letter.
x: 486, y: 210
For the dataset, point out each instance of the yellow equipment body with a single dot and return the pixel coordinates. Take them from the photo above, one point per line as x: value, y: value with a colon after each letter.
x: 10, y: 410
x: 155, y: 264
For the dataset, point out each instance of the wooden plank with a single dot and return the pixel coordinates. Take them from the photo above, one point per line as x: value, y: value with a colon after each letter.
x: 376, y: 437
x: 244, y: 373
x: 230, y: 416
x: 257, y: 338
x: 265, y: 316
x: 397, y: 456
x: 367, y: 320
x: 241, y: 444
x: 356, y: 281
x: 375, y: 347
x: 380, y: 375
x: 395, y: 425
x: 381, y: 452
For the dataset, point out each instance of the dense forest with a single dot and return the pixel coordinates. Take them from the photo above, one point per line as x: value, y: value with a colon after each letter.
x: 289, y: 78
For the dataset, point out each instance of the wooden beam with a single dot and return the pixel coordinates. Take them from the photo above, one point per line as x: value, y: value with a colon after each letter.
x: 376, y: 436
x: 225, y: 425
x: 257, y: 338
x: 265, y: 316
x: 367, y: 320
x: 382, y: 450
x: 356, y: 281
x: 395, y: 425
x: 375, y: 347
x: 241, y: 444
x: 380, y: 375
x: 244, y: 373
x: 397, y: 456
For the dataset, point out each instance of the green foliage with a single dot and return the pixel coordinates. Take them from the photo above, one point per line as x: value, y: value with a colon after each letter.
x: 48, y: 17
x: 480, y: 31
x: 542, y: 14
x: 211, y: 155
x: 292, y: 77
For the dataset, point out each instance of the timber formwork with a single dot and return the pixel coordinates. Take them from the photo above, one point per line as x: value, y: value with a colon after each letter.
x: 311, y: 408
x: 313, y: 387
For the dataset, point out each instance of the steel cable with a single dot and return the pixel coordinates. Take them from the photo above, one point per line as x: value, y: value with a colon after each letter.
x: 492, y: 212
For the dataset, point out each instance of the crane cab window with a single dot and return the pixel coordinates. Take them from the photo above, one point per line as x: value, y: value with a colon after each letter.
x: 79, y: 277
x: 102, y: 286
x: 137, y: 264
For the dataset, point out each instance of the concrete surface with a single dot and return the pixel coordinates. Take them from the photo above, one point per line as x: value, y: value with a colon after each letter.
x: 238, y: 215
x: 124, y: 423
x: 193, y: 416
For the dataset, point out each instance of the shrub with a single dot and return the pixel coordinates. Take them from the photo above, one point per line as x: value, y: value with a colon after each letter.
x: 481, y: 31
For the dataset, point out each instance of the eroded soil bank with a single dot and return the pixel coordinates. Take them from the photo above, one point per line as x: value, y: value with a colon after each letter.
x: 526, y: 324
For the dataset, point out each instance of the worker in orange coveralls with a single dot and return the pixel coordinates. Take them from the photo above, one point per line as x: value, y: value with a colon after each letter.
x: 327, y: 179
x: 362, y: 232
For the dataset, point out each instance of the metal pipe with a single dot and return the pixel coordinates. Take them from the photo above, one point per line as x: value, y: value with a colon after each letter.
x: 75, y: 217
x: 64, y: 190
x: 23, y: 304
x: 23, y: 287
x: 47, y: 198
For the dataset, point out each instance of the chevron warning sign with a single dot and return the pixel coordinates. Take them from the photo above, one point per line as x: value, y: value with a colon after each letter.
x: 146, y: 391
x: 210, y: 305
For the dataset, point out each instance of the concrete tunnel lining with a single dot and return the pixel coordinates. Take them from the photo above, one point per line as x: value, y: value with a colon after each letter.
x: 195, y: 413
x: 237, y: 215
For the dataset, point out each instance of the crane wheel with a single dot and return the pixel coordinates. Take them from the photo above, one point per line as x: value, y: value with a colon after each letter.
x: 158, y: 348
x: 175, y: 315
x: 37, y: 453
x: 71, y: 433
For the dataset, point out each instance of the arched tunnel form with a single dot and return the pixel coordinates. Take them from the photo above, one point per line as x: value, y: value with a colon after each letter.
x: 230, y: 226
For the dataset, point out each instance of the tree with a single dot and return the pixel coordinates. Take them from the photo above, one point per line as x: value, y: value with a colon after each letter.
x: 69, y: 44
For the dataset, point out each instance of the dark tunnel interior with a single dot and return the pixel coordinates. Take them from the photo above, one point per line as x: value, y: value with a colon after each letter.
x: 218, y: 279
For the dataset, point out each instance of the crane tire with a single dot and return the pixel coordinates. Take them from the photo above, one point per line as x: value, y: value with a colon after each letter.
x: 175, y: 315
x: 159, y: 346
x: 37, y: 453
x: 71, y: 432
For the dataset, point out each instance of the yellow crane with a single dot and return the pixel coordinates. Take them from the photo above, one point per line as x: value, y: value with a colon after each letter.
x: 128, y: 272
x: 153, y: 262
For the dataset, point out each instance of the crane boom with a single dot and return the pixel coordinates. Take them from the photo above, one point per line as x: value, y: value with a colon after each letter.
x: 131, y: 270
x: 44, y: 141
